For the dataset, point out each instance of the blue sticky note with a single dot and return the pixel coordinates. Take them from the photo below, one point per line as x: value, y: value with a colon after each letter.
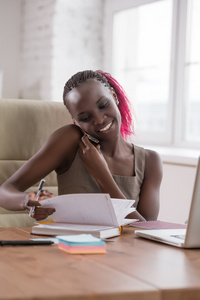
x: 80, y: 239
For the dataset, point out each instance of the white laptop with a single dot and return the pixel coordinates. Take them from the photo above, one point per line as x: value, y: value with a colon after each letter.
x: 184, y: 238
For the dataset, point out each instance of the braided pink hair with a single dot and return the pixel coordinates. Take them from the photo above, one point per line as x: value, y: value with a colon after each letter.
x: 127, y: 125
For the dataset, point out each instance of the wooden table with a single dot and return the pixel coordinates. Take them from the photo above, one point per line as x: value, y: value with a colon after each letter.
x: 132, y: 268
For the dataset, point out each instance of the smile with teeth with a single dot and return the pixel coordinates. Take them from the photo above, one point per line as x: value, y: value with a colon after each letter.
x: 106, y: 127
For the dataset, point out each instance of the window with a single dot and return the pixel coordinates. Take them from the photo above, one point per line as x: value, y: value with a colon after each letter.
x: 154, y: 52
x: 191, y: 97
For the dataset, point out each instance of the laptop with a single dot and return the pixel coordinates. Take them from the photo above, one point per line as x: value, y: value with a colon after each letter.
x: 184, y: 238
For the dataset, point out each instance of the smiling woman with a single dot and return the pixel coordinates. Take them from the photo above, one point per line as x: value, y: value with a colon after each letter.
x: 95, y: 114
x: 127, y: 126
x: 99, y: 107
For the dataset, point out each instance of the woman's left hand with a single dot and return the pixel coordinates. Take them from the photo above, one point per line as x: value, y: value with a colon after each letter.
x: 92, y: 158
x: 40, y: 213
x: 43, y: 194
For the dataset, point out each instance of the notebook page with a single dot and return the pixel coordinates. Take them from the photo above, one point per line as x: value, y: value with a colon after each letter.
x: 122, y: 208
x: 82, y: 209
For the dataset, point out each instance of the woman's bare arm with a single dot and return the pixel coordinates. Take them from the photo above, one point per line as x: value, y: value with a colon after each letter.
x: 59, y: 148
x: 148, y: 205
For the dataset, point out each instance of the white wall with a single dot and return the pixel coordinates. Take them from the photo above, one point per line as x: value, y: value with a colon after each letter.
x: 77, y: 40
x: 37, y: 49
x: 43, y: 42
x: 10, y: 14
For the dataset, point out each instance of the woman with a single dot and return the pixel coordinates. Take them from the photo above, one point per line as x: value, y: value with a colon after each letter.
x: 100, y: 108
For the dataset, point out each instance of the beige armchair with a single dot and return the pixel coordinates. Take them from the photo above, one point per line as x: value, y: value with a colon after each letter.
x: 24, y: 126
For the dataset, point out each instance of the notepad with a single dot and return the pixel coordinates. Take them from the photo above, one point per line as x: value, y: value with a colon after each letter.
x: 81, y: 244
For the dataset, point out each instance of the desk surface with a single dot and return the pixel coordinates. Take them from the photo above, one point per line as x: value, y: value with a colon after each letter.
x: 131, y: 267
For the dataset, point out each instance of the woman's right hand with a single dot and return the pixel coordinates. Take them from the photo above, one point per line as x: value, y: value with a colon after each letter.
x: 40, y: 213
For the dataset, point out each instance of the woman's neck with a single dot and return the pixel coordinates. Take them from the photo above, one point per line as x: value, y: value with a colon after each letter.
x: 115, y: 148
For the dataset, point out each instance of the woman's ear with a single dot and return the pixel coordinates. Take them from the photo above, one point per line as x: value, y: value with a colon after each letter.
x: 116, y: 99
x: 75, y: 122
x: 115, y: 96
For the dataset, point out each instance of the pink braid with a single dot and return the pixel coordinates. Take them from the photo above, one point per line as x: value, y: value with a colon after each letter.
x: 127, y: 125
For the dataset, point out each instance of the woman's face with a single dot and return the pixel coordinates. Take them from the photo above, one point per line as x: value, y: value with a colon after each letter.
x: 94, y: 108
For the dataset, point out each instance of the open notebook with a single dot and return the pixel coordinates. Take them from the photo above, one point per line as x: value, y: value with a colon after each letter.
x: 97, y: 214
x: 185, y: 238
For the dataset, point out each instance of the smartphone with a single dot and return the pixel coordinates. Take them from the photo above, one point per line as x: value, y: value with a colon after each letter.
x: 91, y: 138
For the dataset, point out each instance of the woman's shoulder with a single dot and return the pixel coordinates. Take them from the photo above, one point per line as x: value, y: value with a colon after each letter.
x: 64, y: 143
x: 69, y: 129
x: 66, y: 135
x: 151, y: 154
x: 153, y: 162
x: 150, y: 158
x: 148, y: 153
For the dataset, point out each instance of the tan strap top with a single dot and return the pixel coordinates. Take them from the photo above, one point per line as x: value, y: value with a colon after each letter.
x: 78, y: 180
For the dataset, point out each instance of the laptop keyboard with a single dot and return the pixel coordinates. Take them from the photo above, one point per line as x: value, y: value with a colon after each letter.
x: 182, y: 237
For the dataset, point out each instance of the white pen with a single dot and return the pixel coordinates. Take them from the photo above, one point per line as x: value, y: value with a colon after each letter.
x: 31, y: 212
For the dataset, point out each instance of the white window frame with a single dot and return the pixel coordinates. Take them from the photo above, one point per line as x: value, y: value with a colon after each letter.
x: 173, y: 137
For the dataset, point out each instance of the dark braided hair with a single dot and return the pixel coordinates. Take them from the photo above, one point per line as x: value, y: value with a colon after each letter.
x: 127, y: 125
x: 80, y: 77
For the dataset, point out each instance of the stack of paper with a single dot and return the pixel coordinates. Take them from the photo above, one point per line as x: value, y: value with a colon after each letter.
x: 81, y: 244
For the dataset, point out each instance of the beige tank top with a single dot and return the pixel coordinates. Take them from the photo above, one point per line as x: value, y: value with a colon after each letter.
x: 78, y: 180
